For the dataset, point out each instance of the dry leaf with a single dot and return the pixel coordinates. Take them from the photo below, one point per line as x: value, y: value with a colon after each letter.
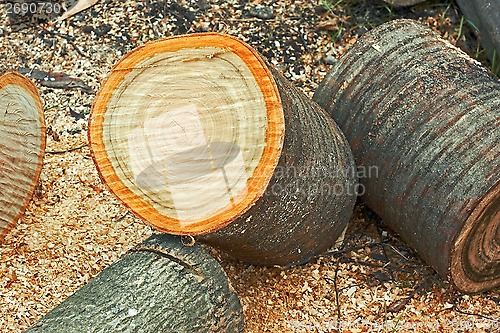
x: 329, y: 25
x: 80, y: 6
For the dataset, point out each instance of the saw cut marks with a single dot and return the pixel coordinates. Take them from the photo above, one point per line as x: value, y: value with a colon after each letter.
x: 22, y: 146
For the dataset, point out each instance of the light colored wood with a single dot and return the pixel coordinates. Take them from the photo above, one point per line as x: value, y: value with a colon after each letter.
x: 187, y: 131
x: 22, y: 146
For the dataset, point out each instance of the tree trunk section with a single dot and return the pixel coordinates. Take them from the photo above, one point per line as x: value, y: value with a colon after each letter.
x: 427, y: 117
x: 197, y: 134
x: 22, y: 146
x: 159, y: 286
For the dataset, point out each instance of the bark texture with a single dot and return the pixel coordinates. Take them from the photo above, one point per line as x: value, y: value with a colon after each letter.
x: 310, y: 197
x: 427, y: 116
x: 160, y: 286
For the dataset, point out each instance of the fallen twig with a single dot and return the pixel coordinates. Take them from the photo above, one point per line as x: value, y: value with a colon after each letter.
x: 80, y: 6
x: 400, y: 304
x: 67, y: 150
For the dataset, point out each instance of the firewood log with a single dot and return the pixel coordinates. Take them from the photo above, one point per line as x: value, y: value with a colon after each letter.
x: 428, y: 117
x: 160, y: 286
x: 198, y: 135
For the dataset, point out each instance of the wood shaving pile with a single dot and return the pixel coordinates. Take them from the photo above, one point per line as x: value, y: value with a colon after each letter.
x: 74, y: 228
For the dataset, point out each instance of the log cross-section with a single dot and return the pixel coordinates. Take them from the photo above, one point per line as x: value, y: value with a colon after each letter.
x: 188, y: 136
x: 22, y: 146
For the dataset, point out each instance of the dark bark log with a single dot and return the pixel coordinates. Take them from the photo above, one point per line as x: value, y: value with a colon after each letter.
x: 427, y: 116
x: 297, y: 191
x: 159, y: 286
x: 485, y: 14
x: 22, y: 146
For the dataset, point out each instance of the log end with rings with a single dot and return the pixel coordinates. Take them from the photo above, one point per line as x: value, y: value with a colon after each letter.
x: 22, y: 143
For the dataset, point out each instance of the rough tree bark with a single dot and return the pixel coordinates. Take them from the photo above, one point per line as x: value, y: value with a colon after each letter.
x: 197, y: 134
x: 427, y: 116
x: 22, y: 146
x: 160, y: 286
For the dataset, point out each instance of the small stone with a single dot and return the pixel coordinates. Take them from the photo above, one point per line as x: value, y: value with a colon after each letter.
x: 262, y: 12
x: 330, y: 60
x: 320, y: 10
x: 103, y: 30
x: 203, y: 5
x: 87, y: 29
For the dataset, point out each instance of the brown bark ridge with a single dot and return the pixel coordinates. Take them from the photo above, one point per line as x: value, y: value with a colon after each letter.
x: 427, y: 116
x: 197, y: 134
x: 160, y: 286
x: 22, y: 146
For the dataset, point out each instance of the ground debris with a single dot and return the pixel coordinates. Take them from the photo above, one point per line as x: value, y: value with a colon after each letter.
x: 55, y: 80
x: 75, y: 227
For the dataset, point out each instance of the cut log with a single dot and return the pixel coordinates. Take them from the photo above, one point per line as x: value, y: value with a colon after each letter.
x: 22, y: 146
x: 189, y: 133
x: 160, y: 286
x: 427, y: 116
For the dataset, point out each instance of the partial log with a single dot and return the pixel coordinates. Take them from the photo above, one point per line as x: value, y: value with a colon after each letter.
x: 22, y: 146
x: 194, y: 136
x: 160, y: 286
x: 427, y: 116
x: 485, y: 14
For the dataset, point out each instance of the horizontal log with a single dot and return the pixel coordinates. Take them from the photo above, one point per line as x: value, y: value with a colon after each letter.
x: 160, y: 286
x: 427, y: 117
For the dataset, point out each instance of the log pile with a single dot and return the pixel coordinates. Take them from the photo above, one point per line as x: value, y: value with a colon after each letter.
x: 198, y: 135
x: 427, y: 116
